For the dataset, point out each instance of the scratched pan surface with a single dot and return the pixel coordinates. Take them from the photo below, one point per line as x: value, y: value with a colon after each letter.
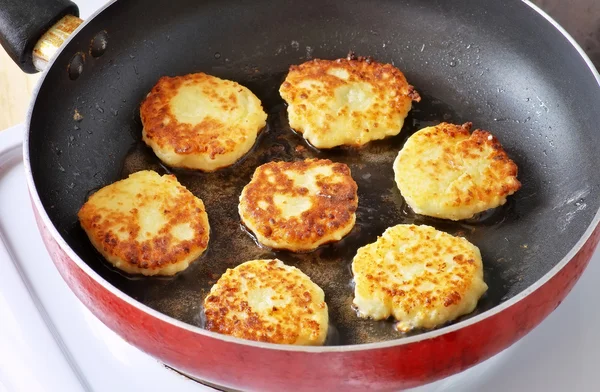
x: 478, y: 61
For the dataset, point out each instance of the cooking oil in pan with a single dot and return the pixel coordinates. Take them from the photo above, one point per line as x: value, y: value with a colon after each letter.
x: 380, y: 206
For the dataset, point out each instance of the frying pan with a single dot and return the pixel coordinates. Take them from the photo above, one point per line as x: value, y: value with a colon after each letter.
x: 505, y: 66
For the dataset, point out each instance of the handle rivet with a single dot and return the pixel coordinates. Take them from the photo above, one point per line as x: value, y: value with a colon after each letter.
x: 98, y: 44
x: 75, y: 67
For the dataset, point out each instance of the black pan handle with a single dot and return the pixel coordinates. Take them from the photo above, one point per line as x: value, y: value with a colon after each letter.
x: 23, y: 22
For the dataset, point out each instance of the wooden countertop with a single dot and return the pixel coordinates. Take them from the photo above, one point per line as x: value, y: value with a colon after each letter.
x: 16, y: 88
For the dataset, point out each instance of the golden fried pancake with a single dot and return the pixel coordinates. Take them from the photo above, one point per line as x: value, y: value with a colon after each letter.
x: 268, y: 301
x: 447, y: 172
x: 146, y: 224
x: 299, y: 205
x: 420, y: 276
x: 199, y: 121
x: 347, y: 101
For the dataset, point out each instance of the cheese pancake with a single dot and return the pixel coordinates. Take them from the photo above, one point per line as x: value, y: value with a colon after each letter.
x: 447, y: 172
x: 300, y: 205
x: 198, y: 121
x: 347, y: 101
x: 146, y: 224
x: 268, y: 301
x: 420, y: 276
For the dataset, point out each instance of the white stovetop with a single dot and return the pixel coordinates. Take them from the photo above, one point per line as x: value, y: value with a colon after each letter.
x: 50, y: 342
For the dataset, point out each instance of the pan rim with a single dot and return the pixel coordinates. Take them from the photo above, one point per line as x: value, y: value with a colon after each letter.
x: 37, y: 203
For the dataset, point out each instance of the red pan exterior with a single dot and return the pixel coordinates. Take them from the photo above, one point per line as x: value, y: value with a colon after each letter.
x: 254, y: 368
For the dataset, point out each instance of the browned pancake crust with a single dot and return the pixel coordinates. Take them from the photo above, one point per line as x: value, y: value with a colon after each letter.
x: 333, y: 208
x: 419, y: 275
x: 210, y: 137
x: 162, y: 249
x: 501, y: 172
x: 463, y: 173
x: 302, y: 320
x: 505, y: 170
x: 392, y: 99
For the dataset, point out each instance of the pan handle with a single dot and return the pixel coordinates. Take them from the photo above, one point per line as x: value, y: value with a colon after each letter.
x: 32, y: 30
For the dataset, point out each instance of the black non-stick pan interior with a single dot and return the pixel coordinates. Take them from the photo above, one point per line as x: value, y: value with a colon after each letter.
x: 497, y: 64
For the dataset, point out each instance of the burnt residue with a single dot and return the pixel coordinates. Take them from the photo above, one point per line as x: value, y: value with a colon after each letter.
x: 380, y: 206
